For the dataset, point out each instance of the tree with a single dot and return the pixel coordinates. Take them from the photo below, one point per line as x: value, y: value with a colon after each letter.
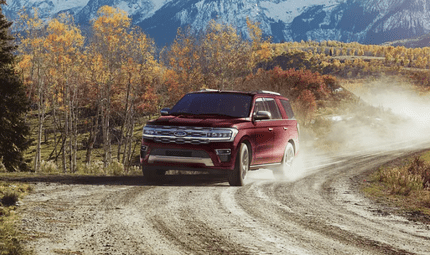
x: 31, y: 67
x: 13, y: 103
x: 109, y: 47
x: 62, y: 47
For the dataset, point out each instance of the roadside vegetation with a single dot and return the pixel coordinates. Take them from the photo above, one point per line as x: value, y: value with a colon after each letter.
x: 10, y: 238
x: 405, y: 184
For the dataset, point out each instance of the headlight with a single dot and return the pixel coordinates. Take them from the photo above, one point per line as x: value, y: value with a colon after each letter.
x: 223, y: 134
x: 220, y: 134
x: 149, y: 130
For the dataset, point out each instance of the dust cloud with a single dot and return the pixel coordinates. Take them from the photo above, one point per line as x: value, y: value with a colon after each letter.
x: 402, y: 118
x: 389, y: 115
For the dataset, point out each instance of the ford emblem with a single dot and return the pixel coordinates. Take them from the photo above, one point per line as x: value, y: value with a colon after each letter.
x: 180, y: 133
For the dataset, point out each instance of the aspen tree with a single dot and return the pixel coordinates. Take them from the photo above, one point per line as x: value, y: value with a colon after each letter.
x: 31, y: 66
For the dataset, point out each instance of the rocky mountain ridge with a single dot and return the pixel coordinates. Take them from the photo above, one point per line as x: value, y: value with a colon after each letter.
x: 365, y: 21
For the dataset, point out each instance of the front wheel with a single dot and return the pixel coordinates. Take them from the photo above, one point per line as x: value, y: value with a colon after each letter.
x: 238, y: 175
x: 286, y: 167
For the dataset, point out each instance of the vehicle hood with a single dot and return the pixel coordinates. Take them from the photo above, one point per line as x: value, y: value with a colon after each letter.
x: 197, y: 121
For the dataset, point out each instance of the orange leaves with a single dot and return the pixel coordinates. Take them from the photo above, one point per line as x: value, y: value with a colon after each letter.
x: 306, y: 105
x: 261, y: 50
x: 111, y: 24
x: 303, y: 87
x: 24, y: 62
x: 63, y: 38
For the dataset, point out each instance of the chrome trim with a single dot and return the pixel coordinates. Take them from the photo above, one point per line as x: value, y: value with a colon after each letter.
x: 172, y: 159
x: 268, y: 92
x: 223, y: 152
x: 193, y: 135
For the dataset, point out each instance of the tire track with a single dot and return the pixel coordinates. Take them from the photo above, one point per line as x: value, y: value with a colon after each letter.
x: 322, y: 213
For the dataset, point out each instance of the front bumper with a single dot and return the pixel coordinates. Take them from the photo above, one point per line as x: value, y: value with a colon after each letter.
x: 180, y: 160
x: 187, y: 156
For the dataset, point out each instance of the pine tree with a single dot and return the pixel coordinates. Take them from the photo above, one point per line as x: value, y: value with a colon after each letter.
x: 13, y: 103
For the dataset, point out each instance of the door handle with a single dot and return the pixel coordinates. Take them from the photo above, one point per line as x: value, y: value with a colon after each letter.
x: 270, y: 129
x: 285, y: 128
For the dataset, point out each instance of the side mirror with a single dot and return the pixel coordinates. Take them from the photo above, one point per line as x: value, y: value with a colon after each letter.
x: 262, y: 115
x: 165, y: 111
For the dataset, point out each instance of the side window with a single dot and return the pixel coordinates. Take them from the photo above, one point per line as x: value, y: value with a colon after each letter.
x: 273, y: 108
x: 259, y: 105
x: 287, y: 108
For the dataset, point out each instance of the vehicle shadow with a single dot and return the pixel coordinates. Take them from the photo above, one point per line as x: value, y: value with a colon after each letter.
x: 136, y: 180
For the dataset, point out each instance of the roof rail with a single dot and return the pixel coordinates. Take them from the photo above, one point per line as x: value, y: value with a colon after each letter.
x: 209, y: 90
x: 268, y: 92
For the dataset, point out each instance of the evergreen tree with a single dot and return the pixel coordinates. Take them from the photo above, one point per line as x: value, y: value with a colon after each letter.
x: 13, y: 103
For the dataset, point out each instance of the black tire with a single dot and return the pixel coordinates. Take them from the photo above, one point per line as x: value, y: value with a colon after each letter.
x: 285, y: 169
x: 152, y: 175
x: 238, y: 175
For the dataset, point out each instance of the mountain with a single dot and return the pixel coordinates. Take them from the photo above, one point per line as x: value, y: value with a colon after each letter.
x: 365, y: 21
x: 416, y: 42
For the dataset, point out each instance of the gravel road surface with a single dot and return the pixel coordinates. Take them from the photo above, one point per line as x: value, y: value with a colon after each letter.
x: 320, y: 212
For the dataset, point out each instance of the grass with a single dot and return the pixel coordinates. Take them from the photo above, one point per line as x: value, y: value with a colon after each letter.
x: 10, y: 238
x: 404, y: 184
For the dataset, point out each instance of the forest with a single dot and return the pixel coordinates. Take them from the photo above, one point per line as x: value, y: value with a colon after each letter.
x: 92, y: 93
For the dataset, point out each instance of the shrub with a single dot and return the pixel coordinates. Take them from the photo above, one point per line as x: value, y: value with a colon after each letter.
x: 95, y: 168
x: 134, y: 170
x: 10, y: 198
x: 2, y: 167
x: 400, y: 180
x: 49, y: 167
x: 115, y: 168
x: 306, y: 105
x: 419, y: 167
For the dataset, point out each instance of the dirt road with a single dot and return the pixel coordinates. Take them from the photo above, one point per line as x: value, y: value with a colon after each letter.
x: 322, y: 212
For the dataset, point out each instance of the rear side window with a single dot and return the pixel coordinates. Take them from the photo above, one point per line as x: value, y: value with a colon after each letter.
x: 287, y: 108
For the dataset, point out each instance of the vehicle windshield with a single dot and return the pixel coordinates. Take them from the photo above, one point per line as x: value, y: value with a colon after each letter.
x: 219, y: 104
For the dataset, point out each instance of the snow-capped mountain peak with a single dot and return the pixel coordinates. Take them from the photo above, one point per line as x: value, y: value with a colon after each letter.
x: 366, y: 21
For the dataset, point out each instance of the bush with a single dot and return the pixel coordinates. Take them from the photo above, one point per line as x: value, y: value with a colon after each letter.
x: 94, y: 168
x: 49, y: 167
x: 115, y: 168
x: 400, y: 181
x: 2, y: 167
x: 10, y: 198
x: 419, y: 167
x: 134, y: 170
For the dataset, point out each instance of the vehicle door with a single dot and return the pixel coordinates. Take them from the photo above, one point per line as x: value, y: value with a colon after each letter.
x: 277, y: 126
x: 288, y: 128
x: 262, y: 136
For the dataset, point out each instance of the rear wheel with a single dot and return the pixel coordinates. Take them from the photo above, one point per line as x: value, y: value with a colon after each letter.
x: 153, y: 175
x: 286, y: 167
x: 238, y: 175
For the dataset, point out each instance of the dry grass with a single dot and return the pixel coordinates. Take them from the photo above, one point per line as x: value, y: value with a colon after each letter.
x: 405, y: 184
x: 10, y: 238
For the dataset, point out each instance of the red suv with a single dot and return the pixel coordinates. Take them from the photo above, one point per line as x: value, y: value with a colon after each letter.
x: 222, y: 131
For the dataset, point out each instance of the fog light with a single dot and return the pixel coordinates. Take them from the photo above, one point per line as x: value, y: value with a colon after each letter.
x: 224, y: 155
x: 143, y: 150
x: 220, y: 152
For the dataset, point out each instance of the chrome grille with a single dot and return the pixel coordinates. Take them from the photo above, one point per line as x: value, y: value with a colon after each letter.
x: 189, y: 135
